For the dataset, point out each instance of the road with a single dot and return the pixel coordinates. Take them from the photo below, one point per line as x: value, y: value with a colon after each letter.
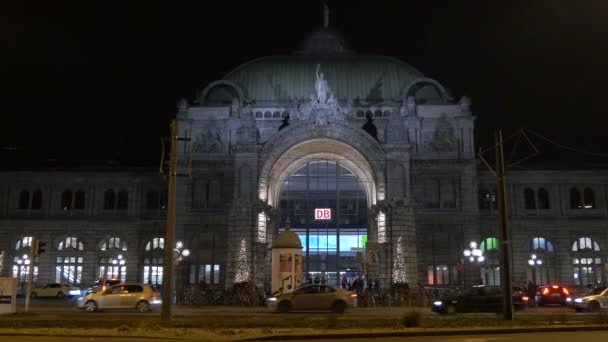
x: 587, y: 336
x: 68, y: 306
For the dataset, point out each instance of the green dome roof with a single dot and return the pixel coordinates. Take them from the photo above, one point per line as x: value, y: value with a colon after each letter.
x: 287, y: 239
x: 350, y: 76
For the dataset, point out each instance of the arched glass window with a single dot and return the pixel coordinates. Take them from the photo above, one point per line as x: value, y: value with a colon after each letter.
x: 541, y: 269
x: 21, y: 261
x: 587, y: 263
x: 489, y: 244
x: 113, y: 243
x: 24, y: 199
x: 575, y: 199
x: 543, y: 199
x: 540, y: 243
x: 529, y: 199
x: 588, y: 199
x: 69, y: 260
x: 112, y: 264
x: 109, y: 200
x: 153, y: 261
x: 79, y: 200
x: 123, y: 200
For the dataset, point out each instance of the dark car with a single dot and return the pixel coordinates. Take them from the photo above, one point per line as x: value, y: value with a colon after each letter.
x: 552, y: 295
x: 478, y: 299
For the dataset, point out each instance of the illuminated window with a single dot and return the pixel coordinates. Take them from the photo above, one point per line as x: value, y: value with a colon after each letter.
x: 208, y: 273
x: 439, y: 274
x: 113, y: 243
x: 489, y: 244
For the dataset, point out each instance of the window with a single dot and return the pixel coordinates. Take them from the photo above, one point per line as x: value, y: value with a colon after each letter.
x: 69, y: 270
x: 588, y: 199
x: 487, y: 200
x: 543, y: 199
x: 24, y: 242
x: 109, y: 200
x: 541, y: 268
x: 79, y: 200
x: 575, y: 199
x: 123, y: 200
x: 440, y: 274
x: 489, y: 244
x: 490, y: 271
x: 206, y: 194
x: 21, y: 261
x: 539, y: 243
x: 152, y: 200
x: 24, y: 199
x: 529, y: 199
x: 153, y: 261
x: 37, y: 199
x: 210, y: 274
x: 586, y: 261
x: 66, y: 200
x: 113, y: 243
x: 113, y: 267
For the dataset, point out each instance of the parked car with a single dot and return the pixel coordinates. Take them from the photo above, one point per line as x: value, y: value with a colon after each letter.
x: 593, y: 300
x: 314, y: 297
x: 479, y: 299
x: 56, y: 290
x: 552, y: 294
x: 141, y: 297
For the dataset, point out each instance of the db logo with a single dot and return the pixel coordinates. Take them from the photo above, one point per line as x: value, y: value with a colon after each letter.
x: 322, y: 214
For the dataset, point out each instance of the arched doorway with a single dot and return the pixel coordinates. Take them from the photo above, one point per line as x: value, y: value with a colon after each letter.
x: 330, y: 246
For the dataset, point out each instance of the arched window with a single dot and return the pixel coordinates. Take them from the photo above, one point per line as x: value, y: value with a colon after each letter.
x: 66, y: 200
x: 575, y: 199
x: 543, y: 199
x: 153, y: 261
x: 490, y: 271
x: 587, y: 262
x: 588, y: 199
x: 109, y: 200
x: 37, y: 199
x: 541, y: 269
x: 529, y: 199
x: 112, y: 263
x: 68, y: 266
x: 123, y: 200
x: 24, y: 199
x: 21, y: 261
x: 79, y: 200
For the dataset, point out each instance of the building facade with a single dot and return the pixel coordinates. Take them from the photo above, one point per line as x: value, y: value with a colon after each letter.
x: 384, y: 150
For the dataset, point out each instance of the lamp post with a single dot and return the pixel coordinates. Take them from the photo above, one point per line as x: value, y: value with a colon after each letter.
x: 24, y: 263
x: 473, y: 254
x: 179, y: 254
x: 534, y: 263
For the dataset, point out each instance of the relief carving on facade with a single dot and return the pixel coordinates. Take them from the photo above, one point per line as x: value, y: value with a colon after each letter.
x: 208, y: 142
x: 443, y: 139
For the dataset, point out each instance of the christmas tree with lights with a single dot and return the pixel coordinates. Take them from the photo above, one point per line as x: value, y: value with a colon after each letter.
x: 399, y: 265
x: 242, y: 268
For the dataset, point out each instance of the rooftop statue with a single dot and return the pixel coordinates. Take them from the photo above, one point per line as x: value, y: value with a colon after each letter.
x: 321, y: 87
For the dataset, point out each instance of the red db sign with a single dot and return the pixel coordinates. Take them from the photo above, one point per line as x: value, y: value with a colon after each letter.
x: 322, y: 214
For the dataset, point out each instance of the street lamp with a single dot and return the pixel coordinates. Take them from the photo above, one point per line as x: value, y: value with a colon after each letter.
x: 179, y: 253
x: 534, y: 260
x: 473, y: 253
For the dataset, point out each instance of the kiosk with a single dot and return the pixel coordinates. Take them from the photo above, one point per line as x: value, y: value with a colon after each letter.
x: 286, y: 261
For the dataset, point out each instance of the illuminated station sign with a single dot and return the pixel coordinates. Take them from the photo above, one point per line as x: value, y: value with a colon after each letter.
x: 323, y: 214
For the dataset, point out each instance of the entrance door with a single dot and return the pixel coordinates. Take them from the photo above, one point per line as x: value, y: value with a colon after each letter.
x: 330, y: 242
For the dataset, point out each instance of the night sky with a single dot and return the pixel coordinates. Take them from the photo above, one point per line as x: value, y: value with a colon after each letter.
x: 85, y: 84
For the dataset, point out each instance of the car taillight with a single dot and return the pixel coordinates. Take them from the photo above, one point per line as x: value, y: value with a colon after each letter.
x: 525, y: 298
x: 546, y: 291
x: 155, y: 294
x: 565, y: 290
x: 353, y: 295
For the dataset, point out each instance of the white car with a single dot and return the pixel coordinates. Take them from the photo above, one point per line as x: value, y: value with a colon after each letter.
x: 56, y: 290
x: 594, y: 300
x: 141, y: 297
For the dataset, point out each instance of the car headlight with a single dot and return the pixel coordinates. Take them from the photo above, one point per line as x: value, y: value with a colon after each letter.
x: 578, y: 300
x: 568, y: 299
x: 438, y: 303
x: 271, y: 299
x: 74, y: 292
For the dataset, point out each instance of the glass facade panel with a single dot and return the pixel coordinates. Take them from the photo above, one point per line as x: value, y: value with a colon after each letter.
x: 329, y: 246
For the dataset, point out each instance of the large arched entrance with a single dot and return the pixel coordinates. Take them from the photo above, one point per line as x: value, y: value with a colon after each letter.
x: 330, y: 244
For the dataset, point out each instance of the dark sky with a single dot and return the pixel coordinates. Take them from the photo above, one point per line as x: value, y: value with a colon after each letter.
x: 86, y: 82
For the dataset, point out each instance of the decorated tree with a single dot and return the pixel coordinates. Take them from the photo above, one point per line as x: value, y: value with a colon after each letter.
x: 398, y: 265
x: 242, y: 268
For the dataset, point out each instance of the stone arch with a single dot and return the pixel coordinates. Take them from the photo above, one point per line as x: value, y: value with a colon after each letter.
x: 222, y: 84
x: 293, y: 147
x: 420, y: 83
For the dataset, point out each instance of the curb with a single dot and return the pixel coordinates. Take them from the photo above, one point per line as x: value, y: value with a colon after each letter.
x: 159, y: 338
x: 430, y: 333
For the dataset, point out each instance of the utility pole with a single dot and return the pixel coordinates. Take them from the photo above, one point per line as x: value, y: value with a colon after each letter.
x: 505, y: 255
x: 168, y: 264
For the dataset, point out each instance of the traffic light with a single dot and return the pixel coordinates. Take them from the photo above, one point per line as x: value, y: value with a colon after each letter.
x: 38, y: 247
